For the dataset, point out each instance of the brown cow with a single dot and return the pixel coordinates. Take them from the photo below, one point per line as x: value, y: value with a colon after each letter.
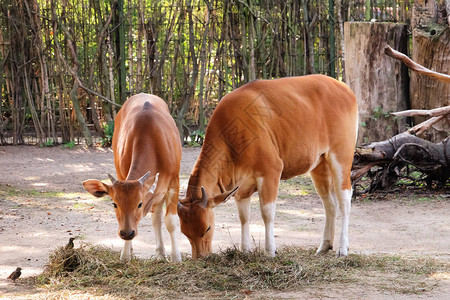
x: 269, y: 130
x: 145, y: 141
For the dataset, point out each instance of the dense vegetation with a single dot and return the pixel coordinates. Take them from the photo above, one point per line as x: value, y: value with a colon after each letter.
x: 66, y: 66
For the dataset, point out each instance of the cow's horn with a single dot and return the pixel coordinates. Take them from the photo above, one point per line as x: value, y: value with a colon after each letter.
x: 144, y: 178
x: 179, y: 206
x: 204, y: 198
x: 113, y: 180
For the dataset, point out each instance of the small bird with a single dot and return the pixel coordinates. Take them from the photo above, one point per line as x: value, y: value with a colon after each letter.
x: 70, y: 244
x: 16, y: 274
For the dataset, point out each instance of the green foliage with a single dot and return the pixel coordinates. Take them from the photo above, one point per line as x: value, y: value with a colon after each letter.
x: 196, y: 138
x: 378, y: 113
x: 69, y: 145
x: 8, y: 192
x: 48, y: 143
x: 108, y: 130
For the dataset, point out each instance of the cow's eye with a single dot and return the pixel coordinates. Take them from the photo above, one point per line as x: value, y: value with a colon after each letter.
x: 115, y: 205
x: 140, y: 205
x: 208, y: 229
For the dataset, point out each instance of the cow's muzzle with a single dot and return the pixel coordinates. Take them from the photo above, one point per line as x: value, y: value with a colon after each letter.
x: 127, y: 234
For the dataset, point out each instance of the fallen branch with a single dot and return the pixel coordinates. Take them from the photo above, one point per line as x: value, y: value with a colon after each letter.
x: 386, y: 162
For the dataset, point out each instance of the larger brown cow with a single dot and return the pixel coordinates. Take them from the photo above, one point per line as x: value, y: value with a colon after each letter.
x: 269, y: 130
x: 145, y: 143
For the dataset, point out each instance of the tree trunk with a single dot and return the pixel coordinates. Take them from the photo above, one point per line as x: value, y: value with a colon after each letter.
x: 37, y: 125
x: 80, y: 117
x: 341, y: 68
x: 380, y: 84
x: 140, y: 39
x: 64, y: 105
x: 308, y: 39
x: 251, y: 39
x: 101, y: 67
x: 243, y: 35
x: 332, y: 40
x: 3, y: 120
x: 164, y: 52
x: 431, y: 39
x: 204, y: 62
x: 46, y: 101
x: 120, y: 50
x: 186, y: 99
x: 71, y: 48
x: 111, y: 77
x: 131, y: 74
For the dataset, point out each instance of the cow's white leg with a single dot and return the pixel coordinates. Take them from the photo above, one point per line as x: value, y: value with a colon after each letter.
x: 268, y: 215
x: 173, y: 227
x: 243, y: 206
x: 268, y: 191
x: 125, y: 255
x: 345, y: 198
x: 343, y: 189
x: 323, y: 183
x: 172, y: 221
x: 329, y: 204
x: 157, y: 224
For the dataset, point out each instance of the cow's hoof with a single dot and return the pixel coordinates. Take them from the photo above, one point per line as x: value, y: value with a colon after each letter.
x: 342, y: 252
x: 325, y: 246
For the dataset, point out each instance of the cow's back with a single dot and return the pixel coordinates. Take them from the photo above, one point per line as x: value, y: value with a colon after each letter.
x: 298, y: 118
x: 145, y: 138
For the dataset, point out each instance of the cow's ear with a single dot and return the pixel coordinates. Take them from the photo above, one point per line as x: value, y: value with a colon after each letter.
x: 155, y: 183
x: 152, y: 201
x: 222, y: 198
x: 96, y: 187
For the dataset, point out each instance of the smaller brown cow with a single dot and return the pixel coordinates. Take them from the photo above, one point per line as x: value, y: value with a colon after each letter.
x: 147, y: 155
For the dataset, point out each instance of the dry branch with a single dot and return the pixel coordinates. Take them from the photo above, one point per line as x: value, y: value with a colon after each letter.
x: 437, y: 114
x: 424, y: 112
x: 415, y: 66
x: 422, y: 127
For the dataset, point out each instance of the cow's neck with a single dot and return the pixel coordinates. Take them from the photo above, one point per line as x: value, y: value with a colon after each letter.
x: 215, y: 174
x: 139, y: 166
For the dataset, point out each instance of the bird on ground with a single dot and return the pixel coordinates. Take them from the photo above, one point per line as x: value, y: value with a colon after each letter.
x: 70, y: 244
x: 16, y: 274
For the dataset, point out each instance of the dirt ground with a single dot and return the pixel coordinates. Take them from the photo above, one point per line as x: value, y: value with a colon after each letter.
x: 33, y: 224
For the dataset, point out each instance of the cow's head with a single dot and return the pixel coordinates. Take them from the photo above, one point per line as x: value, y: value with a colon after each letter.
x: 197, y: 220
x: 132, y: 199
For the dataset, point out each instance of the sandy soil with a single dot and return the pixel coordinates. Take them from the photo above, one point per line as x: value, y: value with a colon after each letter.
x: 33, y: 225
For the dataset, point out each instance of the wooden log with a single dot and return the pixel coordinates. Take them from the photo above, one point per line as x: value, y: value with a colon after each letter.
x: 431, y: 37
x: 396, y: 156
x: 380, y: 86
